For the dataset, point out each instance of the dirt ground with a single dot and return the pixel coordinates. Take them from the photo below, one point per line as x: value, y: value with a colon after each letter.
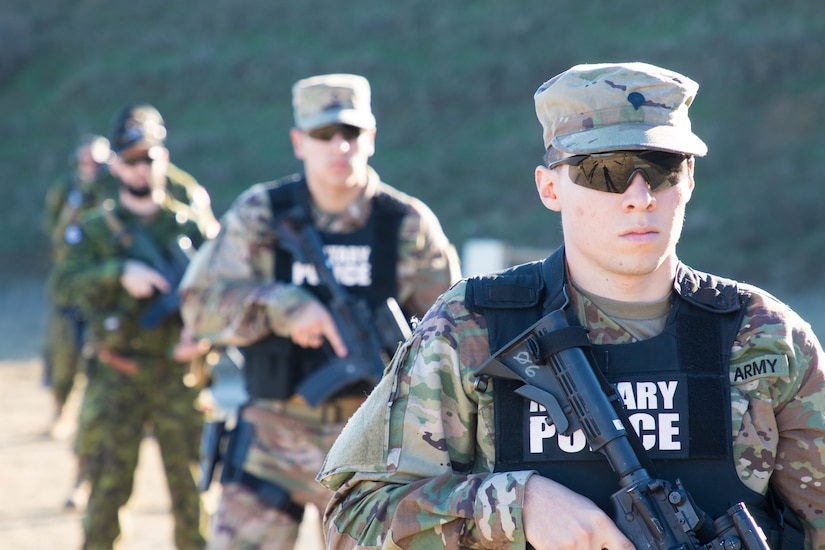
x: 36, y: 464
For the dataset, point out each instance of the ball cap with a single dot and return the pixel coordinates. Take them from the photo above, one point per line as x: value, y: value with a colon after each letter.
x: 138, y: 128
x: 614, y: 106
x: 333, y: 98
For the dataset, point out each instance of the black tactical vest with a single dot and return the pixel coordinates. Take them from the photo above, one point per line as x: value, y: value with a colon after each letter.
x: 274, y: 366
x: 675, y: 386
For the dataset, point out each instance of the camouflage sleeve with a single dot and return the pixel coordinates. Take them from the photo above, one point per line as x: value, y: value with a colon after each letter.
x: 228, y: 292
x: 55, y: 198
x: 90, y: 274
x: 412, y: 468
x: 428, y: 262
x: 778, y: 388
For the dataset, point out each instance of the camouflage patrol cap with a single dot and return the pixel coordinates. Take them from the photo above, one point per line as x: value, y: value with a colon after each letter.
x: 332, y: 98
x: 137, y: 127
x: 615, y: 106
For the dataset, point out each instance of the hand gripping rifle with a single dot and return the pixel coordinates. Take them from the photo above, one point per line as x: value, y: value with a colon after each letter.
x: 371, y: 337
x: 170, y: 262
x: 166, y: 304
x: 651, y: 512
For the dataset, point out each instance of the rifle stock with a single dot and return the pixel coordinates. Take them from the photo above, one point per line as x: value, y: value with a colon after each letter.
x: 653, y: 513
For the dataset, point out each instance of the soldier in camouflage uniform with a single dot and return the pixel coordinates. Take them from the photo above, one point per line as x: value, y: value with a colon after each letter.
x: 122, y: 269
x: 724, y: 383
x: 80, y: 189
x: 130, y: 124
x: 244, y: 288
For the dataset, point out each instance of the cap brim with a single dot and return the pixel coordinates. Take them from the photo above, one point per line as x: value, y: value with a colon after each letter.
x: 629, y: 137
x: 141, y: 149
x: 344, y: 116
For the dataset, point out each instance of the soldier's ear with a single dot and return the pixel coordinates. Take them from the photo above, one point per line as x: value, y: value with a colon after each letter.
x: 297, y: 139
x: 547, y: 187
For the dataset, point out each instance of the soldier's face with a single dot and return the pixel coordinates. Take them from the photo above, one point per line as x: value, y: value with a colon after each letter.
x: 626, y: 235
x: 87, y: 168
x: 337, y: 163
x: 141, y: 171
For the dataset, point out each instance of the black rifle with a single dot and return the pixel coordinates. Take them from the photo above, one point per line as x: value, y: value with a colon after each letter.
x: 651, y: 512
x: 171, y: 267
x: 139, y: 245
x: 371, y: 337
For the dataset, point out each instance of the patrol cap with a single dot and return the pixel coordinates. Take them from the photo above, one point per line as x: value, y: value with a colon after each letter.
x: 137, y: 127
x: 332, y: 98
x: 613, y: 106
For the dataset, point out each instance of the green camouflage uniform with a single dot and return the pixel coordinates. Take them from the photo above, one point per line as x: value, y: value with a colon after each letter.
x: 231, y: 298
x: 66, y: 201
x: 121, y: 406
x: 184, y: 188
x: 391, y: 469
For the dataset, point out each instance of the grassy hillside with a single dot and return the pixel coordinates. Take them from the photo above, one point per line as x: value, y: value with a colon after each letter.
x: 452, y: 84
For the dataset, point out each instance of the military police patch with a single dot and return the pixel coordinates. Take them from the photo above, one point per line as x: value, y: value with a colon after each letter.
x: 72, y: 234
x: 764, y: 366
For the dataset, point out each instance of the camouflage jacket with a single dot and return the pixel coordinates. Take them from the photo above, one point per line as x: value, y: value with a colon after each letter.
x: 394, y: 467
x: 91, y: 272
x: 67, y: 201
x: 229, y: 292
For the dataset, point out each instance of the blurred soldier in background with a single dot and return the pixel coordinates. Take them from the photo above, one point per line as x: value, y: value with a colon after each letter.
x: 249, y: 287
x: 81, y: 188
x: 131, y: 124
x: 123, y: 269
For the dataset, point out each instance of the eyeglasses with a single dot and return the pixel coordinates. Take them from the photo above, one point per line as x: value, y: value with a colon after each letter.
x: 613, y: 172
x: 326, y: 133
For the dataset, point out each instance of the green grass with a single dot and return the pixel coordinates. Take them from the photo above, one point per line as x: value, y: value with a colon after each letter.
x: 452, y: 90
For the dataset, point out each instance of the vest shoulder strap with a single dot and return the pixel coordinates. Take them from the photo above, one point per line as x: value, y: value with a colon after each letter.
x: 116, y: 225
x: 287, y: 192
x: 514, y: 299
x: 709, y: 292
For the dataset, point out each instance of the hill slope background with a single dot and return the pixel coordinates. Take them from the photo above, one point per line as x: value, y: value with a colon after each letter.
x: 452, y: 90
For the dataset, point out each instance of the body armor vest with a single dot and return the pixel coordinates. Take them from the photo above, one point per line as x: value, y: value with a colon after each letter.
x: 675, y: 387
x: 365, y: 264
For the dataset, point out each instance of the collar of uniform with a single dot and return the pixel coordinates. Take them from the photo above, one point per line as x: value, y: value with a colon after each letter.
x: 637, y: 311
x: 355, y: 215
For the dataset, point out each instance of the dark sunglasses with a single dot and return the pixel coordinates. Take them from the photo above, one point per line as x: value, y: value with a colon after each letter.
x: 139, y: 160
x: 326, y: 133
x: 613, y: 172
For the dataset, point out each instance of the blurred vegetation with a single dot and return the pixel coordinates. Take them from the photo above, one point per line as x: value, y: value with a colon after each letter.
x: 452, y: 90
